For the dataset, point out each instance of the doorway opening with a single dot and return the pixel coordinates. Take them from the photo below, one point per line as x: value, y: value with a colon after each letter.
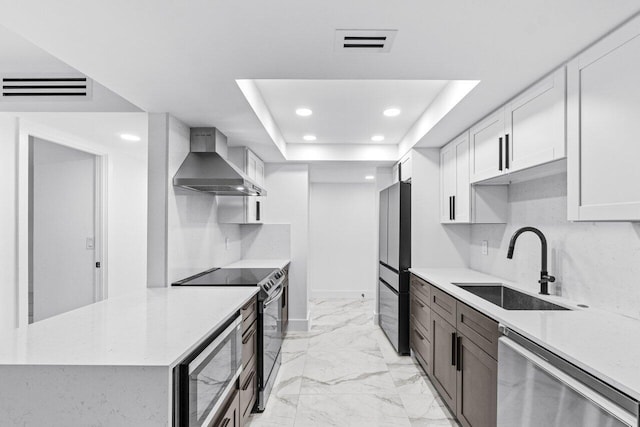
x: 65, y: 229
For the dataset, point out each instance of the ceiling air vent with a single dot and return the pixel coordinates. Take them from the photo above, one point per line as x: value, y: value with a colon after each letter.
x: 375, y: 41
x: 21, y: 88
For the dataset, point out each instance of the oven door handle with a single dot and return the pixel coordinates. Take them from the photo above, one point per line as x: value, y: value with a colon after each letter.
x: 274, y: 298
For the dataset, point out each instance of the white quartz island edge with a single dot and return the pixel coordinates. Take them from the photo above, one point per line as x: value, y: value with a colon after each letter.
x: 602, y: 343
x: 109, y: 363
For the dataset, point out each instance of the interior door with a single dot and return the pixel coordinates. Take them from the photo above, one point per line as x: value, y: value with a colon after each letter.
x: 62, y: 229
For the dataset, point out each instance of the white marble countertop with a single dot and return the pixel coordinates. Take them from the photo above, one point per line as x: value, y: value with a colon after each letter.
x: 602, y: 343
x: 154, y: 327
x: 259, y: 263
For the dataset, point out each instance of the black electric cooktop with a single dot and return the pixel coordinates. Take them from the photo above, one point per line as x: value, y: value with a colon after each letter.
x: 227, y: 277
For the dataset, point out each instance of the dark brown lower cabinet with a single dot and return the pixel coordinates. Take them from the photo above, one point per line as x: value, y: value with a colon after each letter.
x: 477, y: 376
x: 444, y: 360
x: 231, y: 417
x: 458, y: 351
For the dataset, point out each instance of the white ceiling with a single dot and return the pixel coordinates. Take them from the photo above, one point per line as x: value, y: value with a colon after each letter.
x: 19, y: 57
x: 347, y: 111
x: 99, y: 128
x: 185, y: 57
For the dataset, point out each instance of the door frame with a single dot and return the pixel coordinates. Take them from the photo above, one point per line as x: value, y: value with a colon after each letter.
x: 27, y: 130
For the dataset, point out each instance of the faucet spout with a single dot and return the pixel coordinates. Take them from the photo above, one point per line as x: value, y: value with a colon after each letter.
x: 545, y: 278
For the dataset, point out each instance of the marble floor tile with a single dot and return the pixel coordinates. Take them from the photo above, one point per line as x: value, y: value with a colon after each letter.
x: 280, y: 411
x: 346, y: 371
x: 410, y: 379
x: 357, y: 410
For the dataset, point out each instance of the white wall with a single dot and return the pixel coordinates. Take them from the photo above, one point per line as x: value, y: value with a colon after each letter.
x: 8, y: 223
x: 183, y: 222
x: 127, y: 215
x: 597, y: 263
x: 432, y: 244
x: 266, y: 241
x: 287, y: 202
x: 343, y: 234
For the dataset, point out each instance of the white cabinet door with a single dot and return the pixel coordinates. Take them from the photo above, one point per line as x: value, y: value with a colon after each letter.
x: 447, y: 182
x: 604, y: 127
x: 535, y: 124
x: 461, y: 206
x: 395, y: 172
x: 405, y: 168
x: 454, y: 181
x: 486, y: 147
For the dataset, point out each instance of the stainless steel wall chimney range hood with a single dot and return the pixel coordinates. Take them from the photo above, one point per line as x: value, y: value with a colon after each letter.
x: 206, y: 170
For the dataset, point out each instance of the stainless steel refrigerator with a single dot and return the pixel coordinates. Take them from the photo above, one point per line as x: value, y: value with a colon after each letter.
x: 394, y: 263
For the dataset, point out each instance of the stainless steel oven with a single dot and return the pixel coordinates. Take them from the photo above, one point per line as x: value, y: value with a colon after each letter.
x: 271, y: 314
x: 206, y: 375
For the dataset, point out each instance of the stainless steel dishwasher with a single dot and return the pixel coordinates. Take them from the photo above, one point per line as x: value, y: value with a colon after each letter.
x: 538, y: 388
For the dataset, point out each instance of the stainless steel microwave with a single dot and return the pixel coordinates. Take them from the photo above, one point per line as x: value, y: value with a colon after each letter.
x: 204, y: 378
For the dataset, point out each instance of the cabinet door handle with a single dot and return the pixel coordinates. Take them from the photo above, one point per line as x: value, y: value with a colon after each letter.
x: 225, y: 422
x: 257, y: 210
x: 419, y: 303
x: 418, y: 334
x: 249, y: 335
x: 249, y: 380
x: 453, y: 349
x: 500, y: 153
x: 459, y: 354
x: 451, y: 208
x: 506, y: 151
x: 453, y: 198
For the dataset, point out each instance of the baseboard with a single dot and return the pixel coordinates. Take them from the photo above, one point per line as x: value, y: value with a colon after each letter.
x: 352, y: 294
x: 300, y: 325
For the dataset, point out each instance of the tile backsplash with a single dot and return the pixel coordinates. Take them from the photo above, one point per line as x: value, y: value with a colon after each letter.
x: 596, y: 263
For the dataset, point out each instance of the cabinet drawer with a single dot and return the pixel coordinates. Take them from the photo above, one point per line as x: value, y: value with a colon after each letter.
x: 248, y: 393
x: 249, y: 343
x: 443, y: 304
x: 421, y: 312
x: 249, y: 314
x: 421, y: 345
x: 480, y: 329
x: 420, y: 286
x: 231, y: 415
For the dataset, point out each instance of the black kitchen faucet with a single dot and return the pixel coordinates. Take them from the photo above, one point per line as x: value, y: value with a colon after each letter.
x: 545, y: 278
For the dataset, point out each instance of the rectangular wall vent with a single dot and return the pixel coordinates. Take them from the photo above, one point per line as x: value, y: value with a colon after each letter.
x: 373, y: 41
x: 62, y: 88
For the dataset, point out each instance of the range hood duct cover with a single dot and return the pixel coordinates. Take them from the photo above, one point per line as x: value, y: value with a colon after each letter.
x: 205, y: 170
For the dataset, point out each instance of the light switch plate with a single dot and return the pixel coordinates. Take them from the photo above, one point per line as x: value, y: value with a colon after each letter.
x: 485, y: 247
x: 90, y: 243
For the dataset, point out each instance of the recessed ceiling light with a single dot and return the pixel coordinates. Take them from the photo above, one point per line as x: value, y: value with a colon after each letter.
x: 391, y: 112
x: 369, y: 177
x: 309, y: 137
x: 377, y: 138
x: 129, y: 137
x: 304, y: 112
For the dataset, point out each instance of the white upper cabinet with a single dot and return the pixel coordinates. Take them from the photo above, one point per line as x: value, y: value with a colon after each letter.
x: 254, y: 167
x: 535, y: 131
x: 405, y: 168
x: 603, y: 129
x: 454, y: 181
x: 528, y: 131
x: 487, y: 147
x: 461, y: 203
x: 247, y: 209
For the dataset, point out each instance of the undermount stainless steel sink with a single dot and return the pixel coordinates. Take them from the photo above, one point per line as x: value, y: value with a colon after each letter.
x: 508, y: 298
